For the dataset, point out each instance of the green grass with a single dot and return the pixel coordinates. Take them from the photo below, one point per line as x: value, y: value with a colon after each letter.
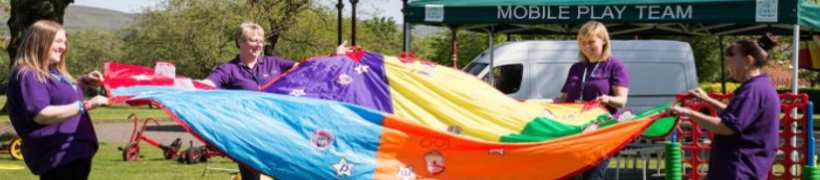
x: 107, y: 164
x: 120, y: 113
x: 108, y: 114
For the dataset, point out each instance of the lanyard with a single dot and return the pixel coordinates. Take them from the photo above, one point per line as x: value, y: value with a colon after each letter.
x: 585, y: 79
x: 64, y: 80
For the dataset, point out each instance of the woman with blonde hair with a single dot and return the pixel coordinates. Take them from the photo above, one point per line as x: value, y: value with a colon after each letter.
x: 598, y: 76
x: 46, y: 106
x: 251, y: 69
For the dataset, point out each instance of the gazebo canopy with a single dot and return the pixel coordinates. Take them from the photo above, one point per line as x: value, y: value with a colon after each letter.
x: 623, y: 17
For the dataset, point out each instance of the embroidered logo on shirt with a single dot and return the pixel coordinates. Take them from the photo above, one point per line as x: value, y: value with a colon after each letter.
x: 321, y: 139
x: 297, y: 92
x: 435, y: 162
x: 362, y: 69
x: 343, y: 168
x: 406, y: 172
x: 344, y: 79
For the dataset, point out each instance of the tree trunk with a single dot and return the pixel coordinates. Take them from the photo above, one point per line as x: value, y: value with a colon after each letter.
x: 284, y: 19
x: 23, y: 14
x: 270, y: 48
x: 26, y: 12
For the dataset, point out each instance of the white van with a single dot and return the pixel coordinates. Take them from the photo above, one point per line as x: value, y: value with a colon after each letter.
x: 658, y: 69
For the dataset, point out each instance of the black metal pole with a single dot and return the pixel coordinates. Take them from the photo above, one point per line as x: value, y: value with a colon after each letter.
x: 454, y: 46
x: 722, y: 66
x: 491, y: 39
x: 353, y: 25
x: 339, y: 6
x: 405, y: 28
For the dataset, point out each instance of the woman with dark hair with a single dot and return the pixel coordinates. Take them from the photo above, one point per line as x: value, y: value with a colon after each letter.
x: 746, y: 131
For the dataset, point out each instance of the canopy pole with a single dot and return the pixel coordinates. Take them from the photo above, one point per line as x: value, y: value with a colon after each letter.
x: 795, y: 54
x: 405, y: 28
x: 339, y: 6
x: 454, y: 46
x: 722, y: 66
x: 353, y: 25
x: 490, y: 34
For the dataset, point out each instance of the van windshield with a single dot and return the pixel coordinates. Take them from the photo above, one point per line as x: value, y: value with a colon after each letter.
x: 475, y: 68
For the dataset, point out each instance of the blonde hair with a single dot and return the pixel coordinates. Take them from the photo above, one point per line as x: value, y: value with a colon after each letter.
x: 243, y: 31
x: 35, y: 47
x: 594, y: 29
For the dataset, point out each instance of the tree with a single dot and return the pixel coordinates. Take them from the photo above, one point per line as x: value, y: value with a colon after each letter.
x: 90, y: 49
x: 198, y: 34
x: 382, y: 35
x: 310, y: 36
x: 195, y: 34
x: 275, y: 16
x: 471, y: 44
x: 26, y: 12
x: 706, y: 50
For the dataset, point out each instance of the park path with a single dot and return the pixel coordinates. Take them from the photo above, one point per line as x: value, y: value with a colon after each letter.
x: 119, y: 132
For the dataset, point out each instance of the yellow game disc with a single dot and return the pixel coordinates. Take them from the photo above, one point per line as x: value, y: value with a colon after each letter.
x: 11, y: 167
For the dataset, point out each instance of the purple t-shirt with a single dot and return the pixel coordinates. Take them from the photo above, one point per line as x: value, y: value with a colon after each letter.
x: 48, y: 146
x: 235, y: 75
x: 598, y: 81
x: 753, y: 115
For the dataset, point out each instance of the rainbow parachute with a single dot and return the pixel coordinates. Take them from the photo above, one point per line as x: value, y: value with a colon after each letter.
x: 368, y: 116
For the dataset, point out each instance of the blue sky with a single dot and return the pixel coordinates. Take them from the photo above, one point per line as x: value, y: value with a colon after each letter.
x: 365, y: 8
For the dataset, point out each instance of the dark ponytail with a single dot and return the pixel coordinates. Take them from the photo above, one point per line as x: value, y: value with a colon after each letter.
x: 758, y: 50
x: 767, y: 42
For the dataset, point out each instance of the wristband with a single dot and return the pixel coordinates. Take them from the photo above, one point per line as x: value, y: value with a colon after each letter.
x: 81, y: 105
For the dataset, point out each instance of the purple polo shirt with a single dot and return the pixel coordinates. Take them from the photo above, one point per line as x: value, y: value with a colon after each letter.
x: 753, y: 115
x: 235, y: 75
x: 46, y: 147
x: 598, y: 81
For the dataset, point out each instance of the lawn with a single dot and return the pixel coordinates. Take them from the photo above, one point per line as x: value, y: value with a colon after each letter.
x: 108, y: 114
x: 107, y: 164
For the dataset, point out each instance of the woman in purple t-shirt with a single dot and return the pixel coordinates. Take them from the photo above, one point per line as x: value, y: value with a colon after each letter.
x: 598, y: 76
x: 746, y: 130
x: 250, y: 70
x: 46, y: 106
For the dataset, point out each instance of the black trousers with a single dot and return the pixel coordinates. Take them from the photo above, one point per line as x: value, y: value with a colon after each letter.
x: 248, y: 173
x: 76, y: 170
